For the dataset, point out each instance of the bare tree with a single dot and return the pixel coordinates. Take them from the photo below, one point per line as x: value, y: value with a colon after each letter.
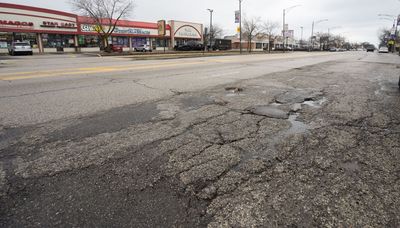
x: 383, y: 36
x: 105, y: 14
x: 251, y: 29
x: 270, y: 29
x: 216, y: 33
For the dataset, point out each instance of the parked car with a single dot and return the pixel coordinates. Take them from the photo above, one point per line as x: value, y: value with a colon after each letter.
x: 281, y: 49
x: 143, y: 48
x: 116, y: 48
x: 20, y: 48
x: 383, y: 50
x: 190, y: 46
x: 370, y: 48
x: 332, y: 49
x: 222, y: 44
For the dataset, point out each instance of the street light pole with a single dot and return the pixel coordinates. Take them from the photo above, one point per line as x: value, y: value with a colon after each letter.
x: 285, y: 11
x: 312, y: 31
x: 211, y: 28
x: 240, y: 25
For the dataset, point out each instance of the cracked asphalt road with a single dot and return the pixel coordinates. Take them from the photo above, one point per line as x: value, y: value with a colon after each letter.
x: 309, y: 145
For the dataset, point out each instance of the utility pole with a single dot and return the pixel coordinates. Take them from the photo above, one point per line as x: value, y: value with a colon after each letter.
x: 311, y: 39
x: 283, y: 30
x: 211, y: 28
x: 240, y: 25
x: 301, y: 39
x: 395, y: 35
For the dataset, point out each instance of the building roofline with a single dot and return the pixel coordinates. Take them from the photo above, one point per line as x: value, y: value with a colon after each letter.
x: 32, y: 8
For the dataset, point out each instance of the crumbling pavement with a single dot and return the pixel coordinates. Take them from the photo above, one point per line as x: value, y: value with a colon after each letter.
x: 312, y: 147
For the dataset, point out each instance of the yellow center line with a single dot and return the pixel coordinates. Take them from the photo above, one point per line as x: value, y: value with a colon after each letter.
x: 119, y: 68
x: 95, y: 70
x: 73, y: 70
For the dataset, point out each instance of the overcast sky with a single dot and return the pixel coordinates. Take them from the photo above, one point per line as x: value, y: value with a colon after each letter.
x: 358, y: 19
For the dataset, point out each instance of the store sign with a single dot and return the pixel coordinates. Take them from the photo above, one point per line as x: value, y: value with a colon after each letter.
x: 161, y: 25
x: 16, y: 23
x: 51, y: 24
x: 188, y: 32
x: 137, y: 31
x: 117, y: 30
x: 289, y: 34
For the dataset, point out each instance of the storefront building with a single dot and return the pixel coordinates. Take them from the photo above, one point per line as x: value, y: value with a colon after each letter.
x: 44, y: 29
x: 182, y: 32
x: 128, y: 34
x: 55, y: 31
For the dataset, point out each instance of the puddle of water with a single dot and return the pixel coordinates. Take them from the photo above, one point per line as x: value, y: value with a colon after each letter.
x: 297, y: 126
x: 269, y: 153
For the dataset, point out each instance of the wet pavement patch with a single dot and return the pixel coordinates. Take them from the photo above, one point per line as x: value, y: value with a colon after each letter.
x: 106, y: 122
x: 297, y: 126
x: 269, y: 111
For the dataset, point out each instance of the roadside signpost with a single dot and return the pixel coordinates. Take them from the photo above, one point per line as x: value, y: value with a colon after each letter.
x: 162, y: 31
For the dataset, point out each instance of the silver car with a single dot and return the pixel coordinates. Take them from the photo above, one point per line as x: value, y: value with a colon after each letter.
x: 20, y: 48
x: 143, y: 48
x: 383, y: 50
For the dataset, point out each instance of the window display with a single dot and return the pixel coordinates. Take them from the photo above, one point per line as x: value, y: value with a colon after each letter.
x: 7, y: 38
x: 57, y: 40
x: 89, y: 41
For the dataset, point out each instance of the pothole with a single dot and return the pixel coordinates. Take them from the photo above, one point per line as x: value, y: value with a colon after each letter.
x: 315, y: 103
x: 297, y: 96
x: 269, y: 111
x: 271, y: 151
x: 234, y: 91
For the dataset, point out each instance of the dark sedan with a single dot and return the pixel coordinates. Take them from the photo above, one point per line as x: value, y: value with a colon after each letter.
x: 190, y: 46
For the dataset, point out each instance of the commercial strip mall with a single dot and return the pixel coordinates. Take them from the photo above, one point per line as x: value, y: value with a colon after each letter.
x: 51, y: 31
